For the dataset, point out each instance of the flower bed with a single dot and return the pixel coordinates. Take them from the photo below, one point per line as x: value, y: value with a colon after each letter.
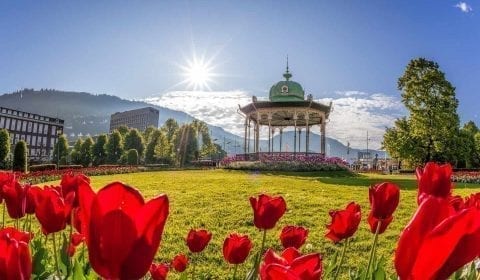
x: 37, y: 177
x: 466, y: 177
x: 287, y: 162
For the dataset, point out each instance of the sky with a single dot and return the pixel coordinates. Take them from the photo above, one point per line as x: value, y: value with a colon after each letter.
x: 348, y: 52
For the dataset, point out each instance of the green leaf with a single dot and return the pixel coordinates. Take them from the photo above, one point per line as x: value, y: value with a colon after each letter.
x: 253, y: 273
x: 40, y: 257
x: 64, y: 260
x: 78, y: 271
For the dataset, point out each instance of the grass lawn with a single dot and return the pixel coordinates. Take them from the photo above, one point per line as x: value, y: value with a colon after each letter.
x: 218, y: 201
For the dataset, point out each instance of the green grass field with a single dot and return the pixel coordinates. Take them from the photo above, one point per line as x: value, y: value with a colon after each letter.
x: 218, y: 201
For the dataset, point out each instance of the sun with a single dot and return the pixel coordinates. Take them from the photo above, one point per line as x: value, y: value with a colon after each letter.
x: 198, y: 73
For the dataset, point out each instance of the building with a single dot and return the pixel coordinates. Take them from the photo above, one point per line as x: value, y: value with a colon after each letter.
x: 138, y: 118
x: 40, y: 132
x: 286, y: 109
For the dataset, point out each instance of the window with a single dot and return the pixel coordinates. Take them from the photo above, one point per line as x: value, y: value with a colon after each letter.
x: 24, y: 126
x: 45, y: 129
x: 7, y: 123
x: 40, y: 128
x: 13, y: 124
x: 2, y: 122
x: 35, y: 128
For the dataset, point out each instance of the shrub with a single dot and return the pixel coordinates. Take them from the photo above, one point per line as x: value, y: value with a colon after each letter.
x: 71, y: 166
x: 132, y: 157
x: 20, y: 156
x: 43, y: 167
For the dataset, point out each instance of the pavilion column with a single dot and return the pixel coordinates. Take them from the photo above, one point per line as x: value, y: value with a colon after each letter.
x: 280, y: 145
x: 299, y: 139
x: 273, y: 137
x: 295, y: 117
x: 258, y: 138
x: 307, y: 134
x: 323, y: 138
x: 269, y: 136
x: 245, y: 138
x: 248, y: 136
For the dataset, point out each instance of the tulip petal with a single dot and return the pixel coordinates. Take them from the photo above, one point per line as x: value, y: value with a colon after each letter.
x: 452, y: 244
x: 429, y: 214
x: 119, y: 196
x: 278, y: 272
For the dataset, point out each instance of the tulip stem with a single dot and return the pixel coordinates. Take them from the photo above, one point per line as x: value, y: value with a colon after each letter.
x: 257, y: 264
x: 337, y: 271
x: 3, y: 215
x: 193, y: 267
x: 372, y: 251
x: 235, y: 272
x: 55, y: 254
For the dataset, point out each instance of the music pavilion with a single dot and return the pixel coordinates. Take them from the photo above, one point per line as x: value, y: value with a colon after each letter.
x: 287, y: 108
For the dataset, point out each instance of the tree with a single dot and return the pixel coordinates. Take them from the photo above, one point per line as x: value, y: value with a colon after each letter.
x: 99, y: 150
x: 134, y: 140
x: 132, y: 157
x: 123, y: 129
x: 433, y: 122
x: 148, y: 132
x: 162, y: 152
x: 86, y: 152
x: 20, y: 156
x: 150, y: 149
x: 114, y: 147
x: 60, y: 150
x: 186, y: 144
x: 75, y: 155
x: 170, y: 128
x: 4, y: 146
x: 467, y: 153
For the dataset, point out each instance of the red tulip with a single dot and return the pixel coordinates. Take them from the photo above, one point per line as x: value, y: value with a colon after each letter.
x: 31, y: 199
x: 236, y: 248
x: 292, y: 236
x: 451, y: 245
x: 291, y: 265
x: 76, y: 238
x: 159, y: 271
x: 70, y: 183
x: 384, y: 198
x: 431, y: 212
x: 5, y: 178
x: 445, y: 240
x: 180, y: 262
x: 197, y: 240
x: 15, y: 196
x: 121, y: 231
x: 267, y: 210
x: 344, y: 222
x: 434, y: 180
x: 15, y: 258
x: 52, y: 211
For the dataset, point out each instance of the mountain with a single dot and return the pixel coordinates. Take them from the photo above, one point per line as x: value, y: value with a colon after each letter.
x: 84, y: 113
x: 89, y: 114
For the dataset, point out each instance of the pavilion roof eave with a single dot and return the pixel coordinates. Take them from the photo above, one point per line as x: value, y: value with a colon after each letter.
x: 300, y: 105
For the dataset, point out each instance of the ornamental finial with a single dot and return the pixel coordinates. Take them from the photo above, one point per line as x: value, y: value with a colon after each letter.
x: 287, y: 74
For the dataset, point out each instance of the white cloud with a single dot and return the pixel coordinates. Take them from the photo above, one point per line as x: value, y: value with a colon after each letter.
x: 354, y: 113
x: 464, y: 7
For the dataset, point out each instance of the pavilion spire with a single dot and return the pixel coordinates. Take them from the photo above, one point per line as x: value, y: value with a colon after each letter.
x: 287, y: 74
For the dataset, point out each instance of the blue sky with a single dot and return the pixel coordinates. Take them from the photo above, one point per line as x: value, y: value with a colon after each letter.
x: 336, y: 48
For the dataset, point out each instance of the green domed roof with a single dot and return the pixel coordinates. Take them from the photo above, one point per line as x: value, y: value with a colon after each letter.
x: 287, y: 90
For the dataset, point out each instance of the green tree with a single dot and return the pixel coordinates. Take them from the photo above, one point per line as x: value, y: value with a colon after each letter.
x: 162, y: 152
x: 134, y: 140
x: 467, y: 154
x: 99, y: 150
x: 433, y: 123
x: 170, y: 127
x: 132, y: 157
x: 20, y: 156
x: 4, y: 146
x: 123, y: 129
x: 86, y: 152
x: 150, y: 149
x: 114, y: 147
x: 75, y: 154
x: 60, y: 150
x: 148, y: 132
x: 186, y: 144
